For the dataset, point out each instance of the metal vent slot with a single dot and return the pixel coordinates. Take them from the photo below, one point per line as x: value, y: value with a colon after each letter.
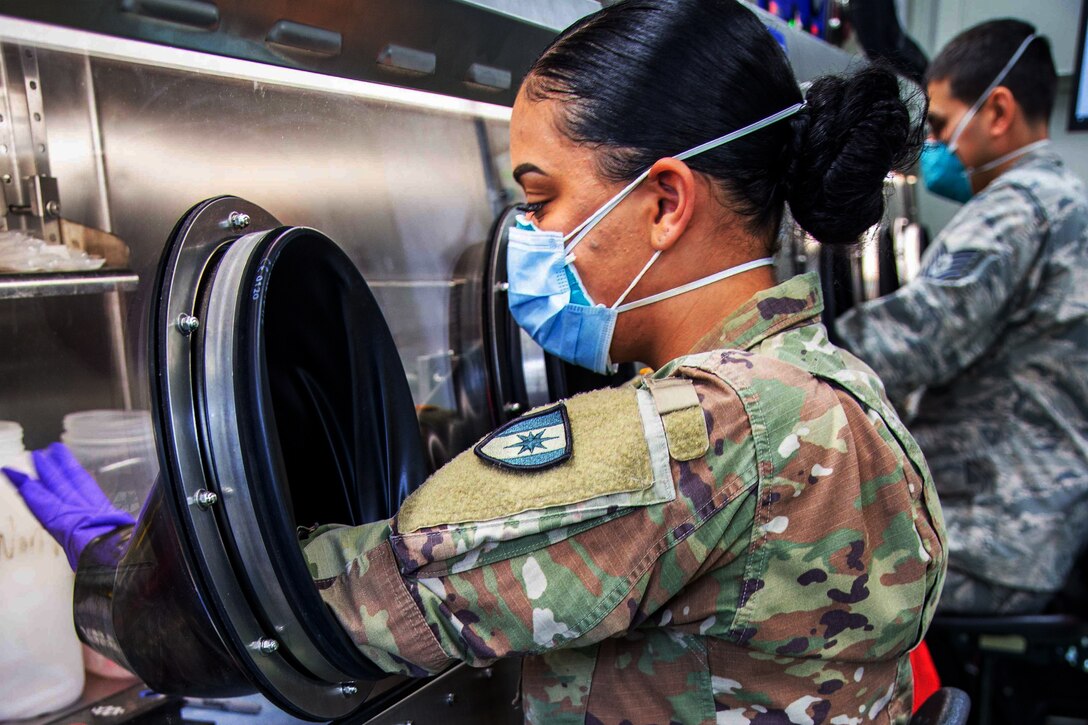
x: 408, y: 59
x: 306, y: 37
x: 203, y: 15
x: 489, y: 77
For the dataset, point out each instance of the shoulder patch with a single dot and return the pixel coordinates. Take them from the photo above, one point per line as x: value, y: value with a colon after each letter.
x: 530, y: 443
x: 953, y: 266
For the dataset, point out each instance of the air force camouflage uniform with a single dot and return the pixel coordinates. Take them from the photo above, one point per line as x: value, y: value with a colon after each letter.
x: 996, y: 329
x: 748, y: 536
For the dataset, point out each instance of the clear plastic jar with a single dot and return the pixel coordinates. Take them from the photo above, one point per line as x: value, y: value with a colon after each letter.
x: 41, y: 668
x: 118, y: 448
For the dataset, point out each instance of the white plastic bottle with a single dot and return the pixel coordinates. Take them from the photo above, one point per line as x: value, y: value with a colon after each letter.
x: 41, y: 668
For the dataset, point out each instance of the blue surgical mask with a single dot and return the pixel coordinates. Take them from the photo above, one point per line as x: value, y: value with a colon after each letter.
x: 943, y: 172
x: 548, y: 299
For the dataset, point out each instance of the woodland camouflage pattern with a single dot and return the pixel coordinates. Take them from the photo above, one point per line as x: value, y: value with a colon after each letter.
x: 783, y: 576
x: 996, y: 329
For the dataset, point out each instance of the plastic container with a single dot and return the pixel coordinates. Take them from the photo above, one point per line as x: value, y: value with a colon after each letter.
x: 40, y: 664
x: 118, y: 448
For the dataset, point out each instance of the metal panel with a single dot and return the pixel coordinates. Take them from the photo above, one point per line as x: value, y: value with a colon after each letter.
x: 458, y: 34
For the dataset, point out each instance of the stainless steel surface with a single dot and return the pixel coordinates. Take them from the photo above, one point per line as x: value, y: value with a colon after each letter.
x: 554, y: 14
x: 341, y: 38
x: 28, y: 58
x: 114, y: 306
x: 22, y: 286
x: 404, y: 181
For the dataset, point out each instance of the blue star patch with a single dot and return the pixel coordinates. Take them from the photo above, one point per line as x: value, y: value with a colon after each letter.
x: 532, y: 442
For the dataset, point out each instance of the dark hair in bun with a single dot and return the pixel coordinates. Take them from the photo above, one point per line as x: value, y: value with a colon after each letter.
x: 646, y: 79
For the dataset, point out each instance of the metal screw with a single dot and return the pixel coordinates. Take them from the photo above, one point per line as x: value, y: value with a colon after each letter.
x: 6, y: 178
x: 267, y: 645
x: 348, y: 689
x: 450, y: 698
x: 502, y: 286
x: 512, y: 407
x: 487, y: 673
x: 187, y: 324
x: 238, y: 220
x: 52, y: 207
x: 206, y: 499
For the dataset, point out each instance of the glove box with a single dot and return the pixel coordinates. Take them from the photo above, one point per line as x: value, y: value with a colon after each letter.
x: 279, y: 402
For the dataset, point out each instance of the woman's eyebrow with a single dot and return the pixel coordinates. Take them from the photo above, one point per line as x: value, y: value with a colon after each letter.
x: 523, y: 169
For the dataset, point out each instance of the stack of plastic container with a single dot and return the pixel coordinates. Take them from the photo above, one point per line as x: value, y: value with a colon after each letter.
x: 40, y: 665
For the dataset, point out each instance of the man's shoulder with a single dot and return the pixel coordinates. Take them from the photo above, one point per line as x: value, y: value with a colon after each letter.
x: 1045, y: 182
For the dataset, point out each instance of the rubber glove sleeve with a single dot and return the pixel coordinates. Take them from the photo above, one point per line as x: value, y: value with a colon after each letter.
x: 67, y: 501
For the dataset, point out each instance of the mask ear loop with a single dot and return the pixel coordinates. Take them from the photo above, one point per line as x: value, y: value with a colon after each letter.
x: 636, y: 280
x: 955, y: 138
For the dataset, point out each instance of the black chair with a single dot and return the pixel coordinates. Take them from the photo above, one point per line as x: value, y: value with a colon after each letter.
x: 946, y: 706
x: 1017, y: 669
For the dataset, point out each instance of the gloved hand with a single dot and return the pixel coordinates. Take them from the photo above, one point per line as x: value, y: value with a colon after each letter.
x: 67, y: 501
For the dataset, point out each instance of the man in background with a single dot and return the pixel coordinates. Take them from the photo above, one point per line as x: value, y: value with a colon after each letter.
x: 995, y: 328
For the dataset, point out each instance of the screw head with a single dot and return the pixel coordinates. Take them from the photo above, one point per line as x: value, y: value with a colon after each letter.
x: 187, y: 324
x: 267, y: 645
x: 348, y: 689
x: 450, y: 698
x: 512, y: 407
x: 206, y: 499
x: 238, y: 220
x: 52, y: 208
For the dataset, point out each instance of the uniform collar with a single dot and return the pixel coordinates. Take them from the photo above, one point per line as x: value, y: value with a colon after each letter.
x: 793, y: 303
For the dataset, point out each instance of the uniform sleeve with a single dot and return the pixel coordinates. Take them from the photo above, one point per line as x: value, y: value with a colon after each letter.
x: 487, y: 560
x: 936, y: 326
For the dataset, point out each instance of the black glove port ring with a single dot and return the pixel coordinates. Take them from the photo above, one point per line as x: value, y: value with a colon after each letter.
x: 284, y: 405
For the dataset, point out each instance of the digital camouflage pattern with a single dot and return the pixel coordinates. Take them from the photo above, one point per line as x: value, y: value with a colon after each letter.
x: 783, y: 576
x: 996, y: 330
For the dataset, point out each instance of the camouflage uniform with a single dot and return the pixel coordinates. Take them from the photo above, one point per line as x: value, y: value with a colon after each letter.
x: 748, y: 536
x: 996, y: 330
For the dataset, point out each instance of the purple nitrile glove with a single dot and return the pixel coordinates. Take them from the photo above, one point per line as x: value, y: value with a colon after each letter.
x: 67, y: 501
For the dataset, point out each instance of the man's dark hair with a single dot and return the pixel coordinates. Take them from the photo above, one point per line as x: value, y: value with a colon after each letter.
x: 972, y: 60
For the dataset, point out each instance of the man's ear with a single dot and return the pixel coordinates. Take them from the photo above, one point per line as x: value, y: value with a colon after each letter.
x: 671, y: 184
x: 1003, y: 110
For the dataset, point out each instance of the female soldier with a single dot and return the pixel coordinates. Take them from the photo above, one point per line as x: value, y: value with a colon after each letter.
x: 748, y: 535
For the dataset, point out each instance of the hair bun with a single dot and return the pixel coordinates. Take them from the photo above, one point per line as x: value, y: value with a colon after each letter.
x: 850, y: 134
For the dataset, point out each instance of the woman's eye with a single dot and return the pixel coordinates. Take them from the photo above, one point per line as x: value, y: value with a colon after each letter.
x: 531, y: 208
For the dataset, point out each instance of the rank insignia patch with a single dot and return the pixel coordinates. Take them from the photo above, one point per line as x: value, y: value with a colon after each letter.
x: 530, y: 443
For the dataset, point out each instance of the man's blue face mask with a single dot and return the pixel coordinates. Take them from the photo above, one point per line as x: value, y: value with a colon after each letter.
x: 547, y: 297
x: 943, y: 172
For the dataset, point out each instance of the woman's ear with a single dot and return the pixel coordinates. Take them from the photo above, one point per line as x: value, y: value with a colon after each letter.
x: 671, y: 184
